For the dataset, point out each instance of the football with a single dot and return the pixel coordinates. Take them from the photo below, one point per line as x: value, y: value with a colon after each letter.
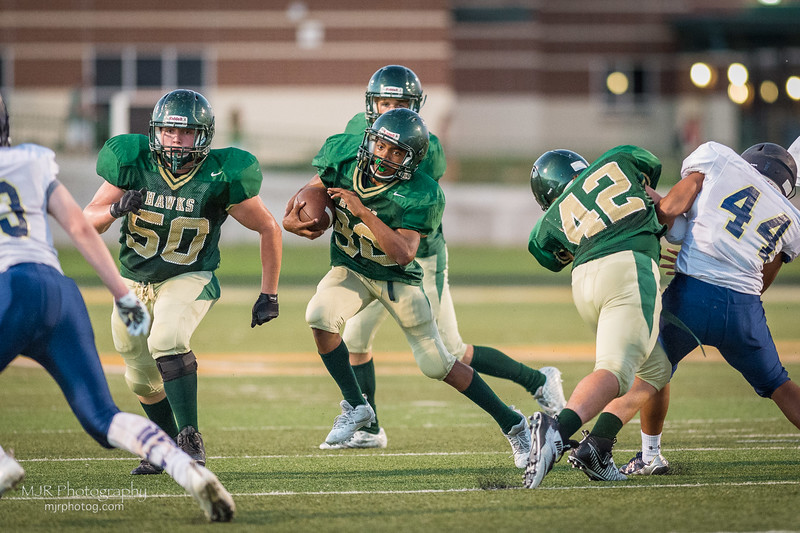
x: 318, y: 205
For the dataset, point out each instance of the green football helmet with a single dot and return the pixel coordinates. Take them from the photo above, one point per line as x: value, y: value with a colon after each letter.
x: 393, y: 81
x: 182, y: 108
x: 401, y: 127
x: 551, y: 174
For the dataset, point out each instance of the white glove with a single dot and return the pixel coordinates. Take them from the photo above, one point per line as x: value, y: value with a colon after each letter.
x: 133, y: 314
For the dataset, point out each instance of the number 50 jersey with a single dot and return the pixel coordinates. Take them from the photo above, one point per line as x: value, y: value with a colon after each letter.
x: 177, y: 229
x: 738, y: 222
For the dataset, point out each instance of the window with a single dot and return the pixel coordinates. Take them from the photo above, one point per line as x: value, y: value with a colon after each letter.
x: 108, y: 72
x: 190, y: 72
x: 130, y: 69
x: 148, y: 72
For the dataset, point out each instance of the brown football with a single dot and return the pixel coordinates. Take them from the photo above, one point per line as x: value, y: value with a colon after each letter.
x: 318, y: 205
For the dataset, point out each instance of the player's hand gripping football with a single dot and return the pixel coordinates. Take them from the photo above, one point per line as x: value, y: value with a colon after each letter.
x: 293, y: 224
x: 130, y: 202
x: 133, y: 314
x: 265, y: 309
x: 349, y: 200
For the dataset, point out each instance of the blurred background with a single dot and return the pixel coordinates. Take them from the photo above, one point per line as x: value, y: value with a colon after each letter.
x: 505, y: 80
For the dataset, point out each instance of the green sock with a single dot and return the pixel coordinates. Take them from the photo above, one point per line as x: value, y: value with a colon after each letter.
x: 607, y: 426
x: 337, y: 362
x: 568, y: 422
x: 365, y: 375
x: 161, y: 414
x: 182, y: 395
x: 485, y: 398
x: 495, y: 363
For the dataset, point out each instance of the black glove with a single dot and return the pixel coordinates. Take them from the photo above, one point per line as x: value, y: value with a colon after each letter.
x: 265, y: 309
x: 130, y: 202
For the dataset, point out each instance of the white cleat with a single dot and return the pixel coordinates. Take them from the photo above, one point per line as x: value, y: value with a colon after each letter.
x: 519, y: 437
x: 11, y: 473
x: 360, y: 439
x: 551, y: 395
x: 546, y: 449
x: 215, y: 501
x: 351, y: 420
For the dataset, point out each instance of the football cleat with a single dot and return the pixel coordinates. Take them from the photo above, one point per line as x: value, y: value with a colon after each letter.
x: 11, y: 473
x: 546, y: 449
x: 593, y: 456
x: 146, y: 468
x: 360, y: 439
x: 519, y: 437
x: 351, y: 420
x: 551, y: 395
x: 191, y: 442
x: 637, y: 467
x: 205, y: 488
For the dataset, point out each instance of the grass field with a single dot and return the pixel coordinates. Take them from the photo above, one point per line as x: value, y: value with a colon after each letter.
x: 266, y: 403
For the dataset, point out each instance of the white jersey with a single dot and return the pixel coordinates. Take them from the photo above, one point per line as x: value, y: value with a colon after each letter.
x: 27, y: 177
x: 738, y: 222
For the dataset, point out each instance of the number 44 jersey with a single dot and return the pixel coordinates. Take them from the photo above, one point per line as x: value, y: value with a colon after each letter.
x: 738, y: 222
x: 177, y: 229
x: 605, y: 210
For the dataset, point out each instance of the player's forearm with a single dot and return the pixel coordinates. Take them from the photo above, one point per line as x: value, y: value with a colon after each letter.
x: 271, y: 255
x: 99, y: 216
x: 400, y: 246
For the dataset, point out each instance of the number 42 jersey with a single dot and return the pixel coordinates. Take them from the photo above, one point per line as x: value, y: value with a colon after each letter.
x: 177, y: 229
x: 605, y: 210
x: 738, y: 222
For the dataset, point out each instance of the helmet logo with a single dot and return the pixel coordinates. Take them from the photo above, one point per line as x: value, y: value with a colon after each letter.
x: 392, y: 92
x: 176, y: 120
x: 392, y: 135
x: 578, y: 165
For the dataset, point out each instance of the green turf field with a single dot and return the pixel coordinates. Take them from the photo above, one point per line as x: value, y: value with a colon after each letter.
x: 267, y: 405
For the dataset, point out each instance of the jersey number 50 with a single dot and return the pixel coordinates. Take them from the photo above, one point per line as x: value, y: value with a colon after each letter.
x: 177, y: 227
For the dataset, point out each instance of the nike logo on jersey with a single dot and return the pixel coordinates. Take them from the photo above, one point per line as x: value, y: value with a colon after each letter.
x: 400, y: 195
x: 216, y: 173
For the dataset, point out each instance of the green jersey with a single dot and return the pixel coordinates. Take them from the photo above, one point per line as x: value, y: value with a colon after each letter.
x: 177, y: 229
x: 603, y: 211
x: 414, y: 204
x: 433, y: 164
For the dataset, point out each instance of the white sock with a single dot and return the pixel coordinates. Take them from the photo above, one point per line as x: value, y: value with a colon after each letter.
x: 651, y: 446
x: 142, y: 437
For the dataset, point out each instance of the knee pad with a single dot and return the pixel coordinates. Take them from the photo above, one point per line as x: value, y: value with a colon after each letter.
x: 429, y: 352
x: 144, y: 382
x: 176, y: 366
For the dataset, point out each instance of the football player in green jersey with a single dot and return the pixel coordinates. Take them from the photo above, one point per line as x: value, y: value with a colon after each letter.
x: 384, y: 206
x: 601, y: 218
x: 173, y: 193
x: 391, y: 87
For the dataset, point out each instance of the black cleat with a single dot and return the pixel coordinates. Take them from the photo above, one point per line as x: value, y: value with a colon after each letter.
x: 191, y: 442
x: 146, y: 468
x: 593, y: 456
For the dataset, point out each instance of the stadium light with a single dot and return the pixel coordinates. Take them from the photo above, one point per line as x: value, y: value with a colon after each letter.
x: 701, y: 75
x: 768, y: 91
x: 739, y: 94
x: 769, y: 2
x: 737, y: 74
x: 617, y: 83
x: 793, y: 87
